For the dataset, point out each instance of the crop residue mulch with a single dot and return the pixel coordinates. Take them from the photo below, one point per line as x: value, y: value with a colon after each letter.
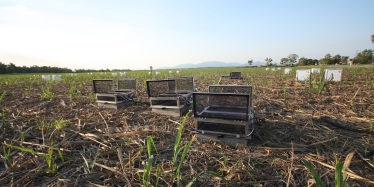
x: 107, y: 147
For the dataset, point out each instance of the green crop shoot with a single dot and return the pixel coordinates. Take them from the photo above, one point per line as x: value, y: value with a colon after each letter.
x: 147, y: 173
x: 23, y: 134
x: 316, y: 176
x: 60, y: 124
x: 340, y: 174
x: 3, y: 120
x: 150, y: 144
x: 46, y: 93
x: 2, y: 96
x: 49, y: 157
x: 89, y: 167
x: 180, y: 149
x: 28, y: 90
x: 6, y: 157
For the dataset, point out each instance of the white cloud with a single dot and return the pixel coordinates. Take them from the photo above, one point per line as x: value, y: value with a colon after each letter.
x: 17, y: 8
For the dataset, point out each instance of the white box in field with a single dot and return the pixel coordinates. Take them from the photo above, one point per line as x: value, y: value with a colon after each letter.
x: 287, y: 70
x: 272, y: 69
x: 316, y: 70
x: 267, y: 69
x: 114, y: 74
x: 46, y: 77
x: 56, y: 77
x: 302, y: 74
x: 333, y: 74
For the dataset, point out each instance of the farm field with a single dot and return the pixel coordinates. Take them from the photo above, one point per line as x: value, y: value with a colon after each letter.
x: 53, y: 133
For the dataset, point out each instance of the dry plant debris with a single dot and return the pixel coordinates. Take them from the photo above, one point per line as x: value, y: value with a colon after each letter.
x: 107, y: 147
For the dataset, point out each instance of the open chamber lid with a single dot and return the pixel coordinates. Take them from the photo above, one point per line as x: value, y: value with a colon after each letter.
x: 229, y: 106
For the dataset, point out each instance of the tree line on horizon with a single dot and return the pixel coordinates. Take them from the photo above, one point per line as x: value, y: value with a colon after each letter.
x: 363, y: 57
x: 12, y: 68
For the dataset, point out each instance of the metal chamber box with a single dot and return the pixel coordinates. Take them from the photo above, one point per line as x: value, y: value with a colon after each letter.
x: 109, y: 97
x: 226, y: 111
x: 171, y: 96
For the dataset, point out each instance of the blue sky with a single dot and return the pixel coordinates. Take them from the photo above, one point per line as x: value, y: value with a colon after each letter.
x: 135, y: 34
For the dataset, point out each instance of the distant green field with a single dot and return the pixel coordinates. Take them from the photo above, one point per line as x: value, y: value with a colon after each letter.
x: 257, y: 75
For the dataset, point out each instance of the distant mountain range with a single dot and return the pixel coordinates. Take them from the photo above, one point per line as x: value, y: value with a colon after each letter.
x: 212, y: 64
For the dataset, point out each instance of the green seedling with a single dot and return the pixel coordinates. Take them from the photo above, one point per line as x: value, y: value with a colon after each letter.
x: 3, y: 120
x: 147, y: 173
x: 158, y: 174
x: 28, y: 90
x: 6, y: 156
x: 180, y: 149
x: 23, y: 134
x: 2, y: 96
x: 49, y: 158
x: 92, y: 97
x: 284, y: 90
x: 74, y: 92
x: 89, y: 167
x: 340, y: 174
x: 150, y: 144
x: 46, y: 93
x: 316, y: 176
x: 60, y: 124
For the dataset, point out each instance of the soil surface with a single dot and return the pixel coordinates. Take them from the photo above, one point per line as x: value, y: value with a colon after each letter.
x: 107, y: 147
